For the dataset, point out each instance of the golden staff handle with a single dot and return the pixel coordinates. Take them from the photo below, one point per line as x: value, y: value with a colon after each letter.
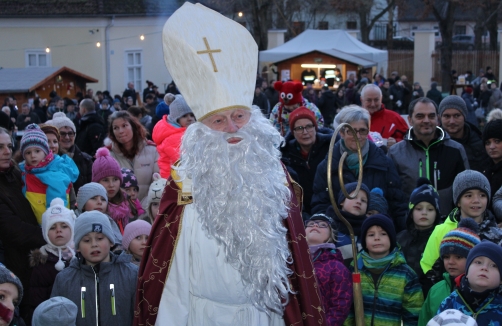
x: 356, y: 277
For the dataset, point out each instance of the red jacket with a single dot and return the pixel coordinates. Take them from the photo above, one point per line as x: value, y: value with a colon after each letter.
x: 168, y: 140
x: 389, y: 124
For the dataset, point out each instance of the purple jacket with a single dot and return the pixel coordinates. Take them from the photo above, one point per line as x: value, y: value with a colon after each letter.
x: 335, y: 283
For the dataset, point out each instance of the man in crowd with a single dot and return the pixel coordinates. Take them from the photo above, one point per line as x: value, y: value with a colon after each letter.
x: 388, y: 123
x: 92, y: 129
x: 218, y: 252
x: 453, y: 113
x: 130, y: 92
x: 427, y: 151
x: 26, y: 117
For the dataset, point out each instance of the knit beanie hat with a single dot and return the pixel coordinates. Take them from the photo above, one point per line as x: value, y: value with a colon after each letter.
x: 382, y: 221
x: 59, y: 120
x: 161, y: 110
x: 485, y: 249
x: 50, y: 129
x: 290, y: 92
x: 134, y: 229
x: 378, y: 202
x: 55, y: 311
x: 34, y: 137
x: 452, y: 317
x: 6, y: 276
x: 88, y: 191
x: 301, y: 113
x: 468, y: 180
x: 453, y: 102
x: 156, y: 188
x: 177, y: 109
x: 105, y: 166
x: 331, y: 222
x: 92, y: 221
x: 350, y: 187
x: 461, y: 240
x: 493, y: 129
x: 128, y: 179
x: 424, y: 192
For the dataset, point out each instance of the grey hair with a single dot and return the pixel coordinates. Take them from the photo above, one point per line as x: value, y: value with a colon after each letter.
x: 494, y: 115
x: 169, y: 98
x: 353, y: 113
x: 371, y: 86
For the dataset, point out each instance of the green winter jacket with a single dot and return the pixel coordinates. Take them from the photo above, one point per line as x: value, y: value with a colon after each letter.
x: 431, y: 252
x: 437, y: 294
x: 395, y: 299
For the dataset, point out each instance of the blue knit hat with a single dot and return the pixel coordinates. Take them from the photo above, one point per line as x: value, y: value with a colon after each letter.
x: 34, y: 137
x: 424, y: 192
x: 485, y: 249
x: 378, y: 202
x: 350, y: 187
x: 383, y: 221
x: 129, y: 179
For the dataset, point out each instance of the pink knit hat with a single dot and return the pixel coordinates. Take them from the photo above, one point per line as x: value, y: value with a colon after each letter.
x: 134, y: 229
x: 105, y: 166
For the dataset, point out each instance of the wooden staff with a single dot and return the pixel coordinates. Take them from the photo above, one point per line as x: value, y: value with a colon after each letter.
x: 356, y: 276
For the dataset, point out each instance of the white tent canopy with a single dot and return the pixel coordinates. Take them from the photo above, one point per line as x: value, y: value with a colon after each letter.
x: 336, y: 43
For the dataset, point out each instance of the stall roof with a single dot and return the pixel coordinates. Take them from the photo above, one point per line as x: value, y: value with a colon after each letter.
x: 18, y: 80
x: 333, y: 42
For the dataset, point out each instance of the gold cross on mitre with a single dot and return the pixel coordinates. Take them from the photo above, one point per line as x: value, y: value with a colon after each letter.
x: 210, y: 52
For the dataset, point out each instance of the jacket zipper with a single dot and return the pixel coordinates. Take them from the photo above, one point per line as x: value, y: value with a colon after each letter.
x: 96, y: 286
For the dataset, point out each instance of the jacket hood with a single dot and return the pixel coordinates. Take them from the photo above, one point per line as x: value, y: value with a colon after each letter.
x: 441, y: 135
x: 164, y: 129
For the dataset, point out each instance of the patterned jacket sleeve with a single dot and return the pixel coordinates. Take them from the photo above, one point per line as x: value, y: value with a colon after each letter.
x: 340, y: 301
x: 413, y: 299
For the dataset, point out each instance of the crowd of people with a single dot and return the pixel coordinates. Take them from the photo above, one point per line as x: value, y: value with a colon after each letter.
x: 190, y: 210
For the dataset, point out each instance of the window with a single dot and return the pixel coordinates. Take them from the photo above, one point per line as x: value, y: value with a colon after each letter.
x: 351, y: 25
x: 134, y: 68
x: 459, y: 30
x: 37, y: 58
x: 323, y: 25
x: 298, y: 27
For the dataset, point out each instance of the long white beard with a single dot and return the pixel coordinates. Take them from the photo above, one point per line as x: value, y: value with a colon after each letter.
x: 241, y: 196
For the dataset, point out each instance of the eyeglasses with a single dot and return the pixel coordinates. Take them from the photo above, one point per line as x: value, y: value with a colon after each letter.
x: 320, y: 224
x: 69, y: 134
x: 300, y: 129
x: 362, y: 131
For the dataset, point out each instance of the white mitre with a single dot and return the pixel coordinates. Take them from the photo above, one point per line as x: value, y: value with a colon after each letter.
x: 213, y: 60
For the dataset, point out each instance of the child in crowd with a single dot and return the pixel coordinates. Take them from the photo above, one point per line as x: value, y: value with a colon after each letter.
x: 93, y: 197
x: 56, y: 311
x: 135, y: 237
x: 471, y: 195
x: 423, y: 216
x: 46, y: 175
x: 106, y: 171
x: 378, y: 204
x: 391, y: 291
x: 454, y: 250
x: 154, y: 195
x: 478, y: 292
x: 112, y: 298
x: 130, y: 185
x: 354, y: 211
x: 335, y: 280
x: 57, y: 229
x: 11, y: 293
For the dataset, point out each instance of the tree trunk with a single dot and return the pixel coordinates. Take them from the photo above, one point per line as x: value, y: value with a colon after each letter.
x: 491, y: 24
x: 259, y: 11
x: 390, y: 27
x: 446, y: 23
x: 479, y: 28
x: 365, y: 30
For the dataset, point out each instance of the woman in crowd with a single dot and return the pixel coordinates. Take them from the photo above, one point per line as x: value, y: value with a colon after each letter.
x: 132, y: 150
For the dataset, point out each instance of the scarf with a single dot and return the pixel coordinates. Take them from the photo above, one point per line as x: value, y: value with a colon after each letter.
x: 355, y: 221
x: 48, y: 158
x: 326, y: 245
x: 120, y: 213
x: 65, y: 253
x: 378, y: 264
x: 352, y: 160
x: 472, y: 298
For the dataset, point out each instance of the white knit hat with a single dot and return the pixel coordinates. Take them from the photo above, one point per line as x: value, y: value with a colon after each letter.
x: 57, y: 212
x: 452, y: 317
x: 216, y: 52
x: 60, y: 120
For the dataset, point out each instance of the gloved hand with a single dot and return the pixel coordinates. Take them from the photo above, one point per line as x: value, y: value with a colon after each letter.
x: 391, y: 97
x: 399, y: 103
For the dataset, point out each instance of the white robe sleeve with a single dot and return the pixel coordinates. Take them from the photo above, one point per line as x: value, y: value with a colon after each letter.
x: 174, y: 304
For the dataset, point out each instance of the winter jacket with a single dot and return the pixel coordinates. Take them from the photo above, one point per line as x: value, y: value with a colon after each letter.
x: 42, y: 277
x: 144, y: 164
x: 493, y: 172
x: 168, y: 140
x: 471, y: 108
x: 326, y: 104
x: 43, y: 184
x: 398, y: 93
x: 386, y: 101
x: 19, y: 229
x: 335, y: 285
x: 115, y: 307
x: 83, y: 162
x: 440, y: 162
x: 488, y: 230
x: 378, y: 171
x: 497, y: 204
x: 437, y: 294
x: 489, y: 313
x: 105, y: 114
x: 417, y: 93
x: 261, y: 101
x: 413, y: 242
x: 389, y: 124
x: 434, y: 95
x: 495, y: 101
x: 474, y: 147
x: 22, y: 124
x: 484, y: 99
x: 306, y: 168
x: 91, y: 133
x: 396, y: 296
x: 280, y: 117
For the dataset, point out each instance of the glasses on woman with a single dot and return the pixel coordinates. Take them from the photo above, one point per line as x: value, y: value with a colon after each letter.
x: 320, y: 224
x: 362, y: 131
x: 300, y: 129
x: 65, y: 134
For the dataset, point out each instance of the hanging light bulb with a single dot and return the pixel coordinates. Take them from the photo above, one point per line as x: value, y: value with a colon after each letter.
x: 142, y: 37
x: 240, y: 14
x: 47, y: 50
x: 98, y: 44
